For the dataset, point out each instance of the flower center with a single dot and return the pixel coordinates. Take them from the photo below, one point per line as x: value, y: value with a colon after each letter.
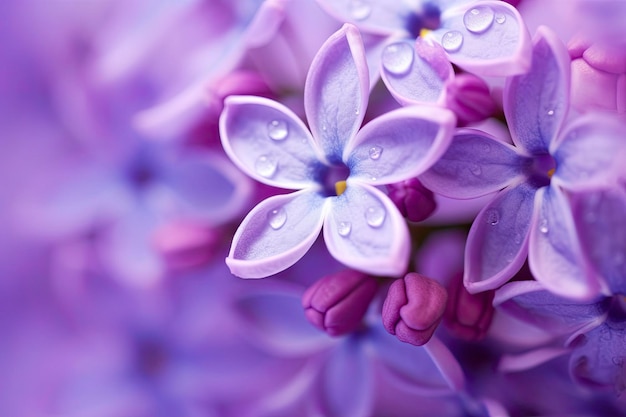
x: 334, y: 180
x: 542, y: 168
x: 424, y: 20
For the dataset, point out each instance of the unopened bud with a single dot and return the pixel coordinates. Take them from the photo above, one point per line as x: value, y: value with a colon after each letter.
x: 470, y: 99
x: 468, y: 316
x: 414, y: 201
x: 337, y: 303
x: 414, y: 308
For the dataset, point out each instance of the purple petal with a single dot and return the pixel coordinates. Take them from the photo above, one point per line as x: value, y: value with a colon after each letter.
x: 347, y: 362
x: 206, y: 186
x: 399, y: 145
x: 379, y: 17
x: 591, y: 152
x: 600, y: 217
x: 336, y: 91
x: 268, y: 142
x: 474, y: 165
x: 416, y: 73
x: 497, y: 242
x: 531, y: 303
x: 486, y: 37
x: 529, y: 360
x: 365, y: 231
x: 276, y: 234
x: 555, y: 256
x: 536, y: 103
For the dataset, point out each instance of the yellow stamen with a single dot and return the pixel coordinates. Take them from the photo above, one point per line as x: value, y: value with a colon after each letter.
x: 424, y: 32
x: 340, y: 187
x: 551, y: 172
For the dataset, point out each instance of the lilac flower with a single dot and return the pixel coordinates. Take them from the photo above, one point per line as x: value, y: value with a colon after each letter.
x: 335, y: 168
x: 486, y: 37
x: 593, y: 334
x: 531, y: 214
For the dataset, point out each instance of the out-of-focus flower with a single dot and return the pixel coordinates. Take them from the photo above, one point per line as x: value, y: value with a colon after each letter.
x: 485, y: 37
x: 468, y: 316
x: 336, y: 168
x: 598, y: 74
x: 414, y: 201
x: 531, y: 214
x: 337, y: 302
x: 414, y: 308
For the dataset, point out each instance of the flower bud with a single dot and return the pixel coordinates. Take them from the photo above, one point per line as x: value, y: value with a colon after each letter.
x: 338, y: 302
x: 470, y: 99
x: 414, y: 201
x: 468, y: 316
x: 598, y: 75
x: 413, y: 308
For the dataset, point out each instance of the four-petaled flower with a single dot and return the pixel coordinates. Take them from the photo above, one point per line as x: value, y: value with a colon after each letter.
x: 336, y: 167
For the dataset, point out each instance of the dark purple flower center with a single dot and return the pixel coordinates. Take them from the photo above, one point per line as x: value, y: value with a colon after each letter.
x: 428, y: 18
x: 333, y: 179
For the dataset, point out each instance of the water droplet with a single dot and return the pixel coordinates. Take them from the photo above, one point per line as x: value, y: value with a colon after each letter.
x: 476, y: 169
x: 277, y: 218
x: 452, y: 41
x: 344, y: 228
x: 277, y: 130
x: 550, y: 112
x: 266, y: 166
x: 478, y: 19
x: 373, y: 178
x: 375, y: 152
x: 492, y: 217
x: 518, y: 238
x: 324, y: 128
x: 485, y: 147
x: 360, y: 9
x: 375, y: 216
x: 543, y: 226
x: 500, y: 18
x: 398, y: 58
x: 357, y: 112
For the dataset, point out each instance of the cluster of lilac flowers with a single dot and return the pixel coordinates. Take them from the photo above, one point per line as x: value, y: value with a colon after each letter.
x: 429, y: 197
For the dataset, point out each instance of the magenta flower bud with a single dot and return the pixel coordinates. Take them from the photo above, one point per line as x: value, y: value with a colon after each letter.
x: 414, y: 308
x: 598, y: 75
x: 414, y: 201
x: 470, y: 99
x: 468, y: 316
x: 338, y: 302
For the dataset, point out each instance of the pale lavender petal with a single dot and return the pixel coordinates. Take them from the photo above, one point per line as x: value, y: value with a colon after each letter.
x: 530, y: 302
x: 276, y: 234
x: 365, y: 231
x: 474, y: 165
x: 416, y: 72
x: 336, y: 91
x: 536, y: 103
x: 487, y: 38
x: 446, y: 363
x: 347, y: 362
x: 498, y: 240
x: 399, y: 145
x: 269, y: 142
x: 273, y: 319
x: 590, y: 153
x: 600, y: 217
x: 555, y: 256
x: 380, y: 17
x: 532, y: 359
x: 205, y: 186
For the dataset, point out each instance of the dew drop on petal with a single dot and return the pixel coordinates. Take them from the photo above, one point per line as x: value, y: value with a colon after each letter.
x: 543, y: 226
x: 398, y: 58
x: 344, y: 228
x: 375, y: 216
x: 360, y: 9
x: 375, y: 152
x: 500, y: 18
x: 492, y: 217
x: 277, y: 218
x: 452, y: 40
x: 476, y: 169
x: 277, y: 130
x: 266, y: 166
x: 478, y: 19
x: 550, y: 112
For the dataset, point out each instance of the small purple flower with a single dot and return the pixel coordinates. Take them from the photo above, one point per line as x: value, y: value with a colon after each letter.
x: 337, y: 168
x: 414, y: 308
x: 485, y: 37
x: 531, y: 213
x: 337, y: 302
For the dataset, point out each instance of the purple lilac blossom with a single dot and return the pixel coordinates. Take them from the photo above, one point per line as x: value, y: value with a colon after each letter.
x: 531, y: 214
x: 336, y: 167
